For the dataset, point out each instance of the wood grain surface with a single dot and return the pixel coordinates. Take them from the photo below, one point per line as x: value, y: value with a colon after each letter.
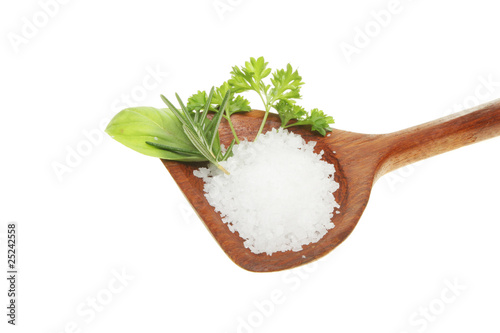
x: 359, y: 160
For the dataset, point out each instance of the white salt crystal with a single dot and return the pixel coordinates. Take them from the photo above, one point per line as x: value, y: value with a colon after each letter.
x: 279, y: 194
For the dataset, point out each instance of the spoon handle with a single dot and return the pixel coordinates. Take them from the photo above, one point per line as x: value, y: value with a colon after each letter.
x: 439, y: 136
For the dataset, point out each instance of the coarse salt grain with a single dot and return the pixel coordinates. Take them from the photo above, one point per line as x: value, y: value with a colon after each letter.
x: 279, y: 194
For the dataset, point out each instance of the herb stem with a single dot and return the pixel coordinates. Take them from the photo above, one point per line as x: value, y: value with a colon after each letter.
x: 222, y: 168
x: 268, y: 108
x: 228, y: 117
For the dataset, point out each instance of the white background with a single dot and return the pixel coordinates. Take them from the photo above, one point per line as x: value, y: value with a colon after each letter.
x: 117, y: 212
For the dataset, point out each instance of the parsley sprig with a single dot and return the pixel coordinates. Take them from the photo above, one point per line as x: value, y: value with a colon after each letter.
x: 281, y: 94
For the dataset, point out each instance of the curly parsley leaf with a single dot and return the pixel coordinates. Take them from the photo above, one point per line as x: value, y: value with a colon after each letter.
x: 318, y: 121
x: 249, y: 77
x: 239, y: 104
x: 286, y: 84
x: 289, y: 111
x: 197, y: 101
x: 235, y: 103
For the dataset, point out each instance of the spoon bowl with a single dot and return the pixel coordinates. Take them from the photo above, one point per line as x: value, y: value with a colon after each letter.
x: 359, y: 160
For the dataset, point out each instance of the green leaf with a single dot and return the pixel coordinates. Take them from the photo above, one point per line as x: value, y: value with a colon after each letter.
x: 258, y: 68
x: 219, y: 94
x: 286, y: 84
x: 173, y: 149
x: 240, y: 81
x: 238, y: 104
x: 217, y: 118
x: 318, y: 120
x: 197, y: 101
x: 199, y: 144
x: 204, y: 119
x: 250, y: 76
x: 235, y: 104
x: 288, y: 111
x: 134, y: 126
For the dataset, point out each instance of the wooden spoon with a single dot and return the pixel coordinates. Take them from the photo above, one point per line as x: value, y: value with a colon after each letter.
x: 359, y: 159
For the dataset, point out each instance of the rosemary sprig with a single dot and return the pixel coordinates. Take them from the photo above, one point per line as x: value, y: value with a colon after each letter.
x: 202, y: 131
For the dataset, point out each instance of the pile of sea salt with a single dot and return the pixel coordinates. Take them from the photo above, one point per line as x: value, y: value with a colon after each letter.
x: 279, y: 194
